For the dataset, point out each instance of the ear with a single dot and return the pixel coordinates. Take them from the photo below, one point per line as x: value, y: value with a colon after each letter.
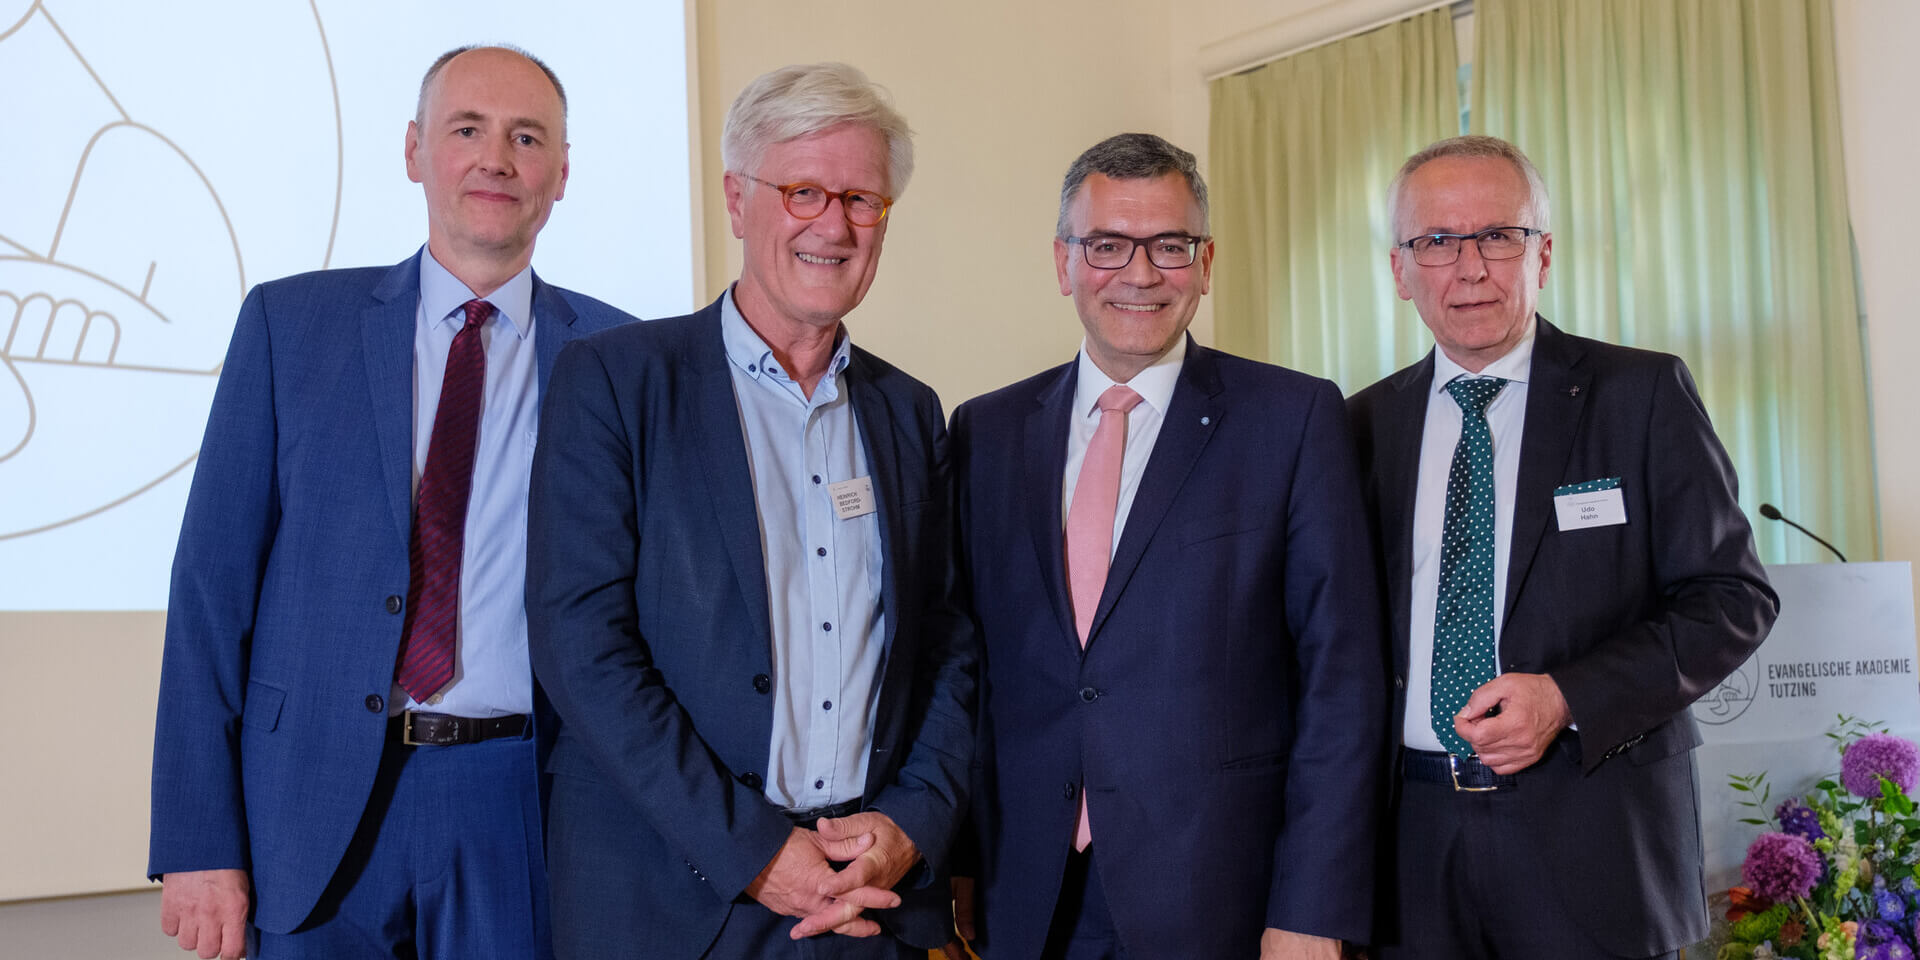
x: 1206, y: 267
x: 412, y: 149
x: 1546, y: 257
x: 566, y: 167
x: 1399, y: 283
x: 1060, y: 262
x: 736, y: 190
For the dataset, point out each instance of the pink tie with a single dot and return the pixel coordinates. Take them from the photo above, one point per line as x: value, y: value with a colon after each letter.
x: 1096, y: 497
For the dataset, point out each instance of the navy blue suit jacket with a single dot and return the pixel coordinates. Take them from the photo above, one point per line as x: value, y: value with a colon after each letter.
x: 648, y: 619
x: 284, y: 617
x: 1230, y: 697
x: 1633, y: 621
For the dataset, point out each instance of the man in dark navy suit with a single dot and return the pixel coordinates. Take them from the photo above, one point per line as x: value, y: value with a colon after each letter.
x: 740, y: 584
x: 1566, y: 570
x: 345, y: 762
x: 1169, y: 565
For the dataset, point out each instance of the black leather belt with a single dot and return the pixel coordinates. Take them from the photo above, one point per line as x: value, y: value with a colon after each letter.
x: 1465, y: 774
x: 416, y: 729
x: 810, y: 818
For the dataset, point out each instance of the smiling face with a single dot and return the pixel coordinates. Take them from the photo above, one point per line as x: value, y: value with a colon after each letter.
x: 807, y: 273
x: 1477, y: 309
x: 490, y: 150
x: 1135, y: 314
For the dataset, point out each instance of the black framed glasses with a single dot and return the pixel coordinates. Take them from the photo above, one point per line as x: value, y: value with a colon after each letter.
x: 1494, y: 243
x: 807, y: 201
x: 1110, y: 251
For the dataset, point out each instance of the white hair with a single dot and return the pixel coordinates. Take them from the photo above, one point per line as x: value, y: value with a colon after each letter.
x: 1471, y: 146
x: 803, y: 99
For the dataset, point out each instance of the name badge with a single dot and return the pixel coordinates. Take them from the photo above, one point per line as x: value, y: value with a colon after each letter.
x: 852, y: 498
x: 1595, y: 503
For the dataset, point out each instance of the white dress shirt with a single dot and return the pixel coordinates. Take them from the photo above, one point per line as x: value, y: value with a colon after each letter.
x: 1155, y: 387
x: 1506, y: 420
x: 823, y: 573
x: 491, y: 675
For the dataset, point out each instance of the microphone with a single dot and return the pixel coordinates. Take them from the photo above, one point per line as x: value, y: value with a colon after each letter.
x: 1772, y: 512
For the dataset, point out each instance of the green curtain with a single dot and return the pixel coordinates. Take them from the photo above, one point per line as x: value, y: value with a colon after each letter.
x: 1692, y: 149
x: 1301, y: 153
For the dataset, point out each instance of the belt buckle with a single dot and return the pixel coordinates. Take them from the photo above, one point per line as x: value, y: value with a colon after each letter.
x: 1453, y: 770
x: 406, y: 734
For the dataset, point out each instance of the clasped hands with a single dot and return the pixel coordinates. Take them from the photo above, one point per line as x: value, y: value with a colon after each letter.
x: 801, y: 881
x: 1532, y: 711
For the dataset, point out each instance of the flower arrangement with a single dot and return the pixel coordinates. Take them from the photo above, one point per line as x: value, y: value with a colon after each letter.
x: 1833, y: 879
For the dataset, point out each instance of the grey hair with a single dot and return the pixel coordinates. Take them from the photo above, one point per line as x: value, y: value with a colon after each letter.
x: 1472, y: 146
x: 808, y: 98
x: 1131, y: 156
x: 420, y: 105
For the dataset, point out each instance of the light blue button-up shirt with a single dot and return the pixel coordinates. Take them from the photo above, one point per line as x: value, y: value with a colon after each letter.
x: 823, y: 573
x: 491, y: 675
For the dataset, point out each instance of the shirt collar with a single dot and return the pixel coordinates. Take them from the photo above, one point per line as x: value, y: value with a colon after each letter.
x: 442, y: 295
x: 1154, y: 384
x: 1513, y: 367
x: 751, y: 354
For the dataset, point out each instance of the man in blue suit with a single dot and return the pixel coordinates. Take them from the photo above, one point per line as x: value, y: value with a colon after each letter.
x: 1169, y: 566
x: 740, y: 584
x: 344, y: 763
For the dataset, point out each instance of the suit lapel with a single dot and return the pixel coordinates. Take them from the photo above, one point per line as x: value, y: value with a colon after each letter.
x: 723, y: 456
x: 1398, y: 463
x: 1045, y: 454
x: 1191, y: 419
x: 553, y: 328
x: 874, y: 416
x: 1556, y: 396
x: 386, y: 340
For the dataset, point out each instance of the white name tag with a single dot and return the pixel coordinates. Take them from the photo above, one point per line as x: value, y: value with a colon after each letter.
x: 1597, y: 508
x: 852, y: 498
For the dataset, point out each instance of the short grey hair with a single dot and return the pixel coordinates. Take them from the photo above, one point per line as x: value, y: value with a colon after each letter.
x: 1131, y: 156
x: 426, y: 82
x: 808, y: 98
x: 1472, y: 147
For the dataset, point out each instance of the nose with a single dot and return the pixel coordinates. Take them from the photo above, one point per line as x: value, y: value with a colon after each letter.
x: 497, y: 156
x: 1140, y: 271
x: 832, y: 223
x: 1471, y: 267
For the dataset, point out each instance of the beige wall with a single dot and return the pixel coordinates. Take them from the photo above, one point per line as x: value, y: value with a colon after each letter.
x: 1003, y: 96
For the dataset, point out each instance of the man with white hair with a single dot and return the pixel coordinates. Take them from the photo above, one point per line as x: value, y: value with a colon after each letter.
x: 1566, y: 570
x: 740, y: 587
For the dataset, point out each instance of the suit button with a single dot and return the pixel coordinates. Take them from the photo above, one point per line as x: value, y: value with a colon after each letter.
x: 1089, y: 694
x: 375, y: 704
x: 761, y: 683
x: 750, y: 780
x: 395, y: 604
x: 1072, y: 788
x: 1399, y: 683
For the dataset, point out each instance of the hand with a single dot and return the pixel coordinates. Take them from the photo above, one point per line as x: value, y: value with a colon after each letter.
x: 1287, y: 945
x: 1532, y: 712
x: 882, y: 856
x: 206, y: 910
x: 956, y: 948
x: 789, y: 884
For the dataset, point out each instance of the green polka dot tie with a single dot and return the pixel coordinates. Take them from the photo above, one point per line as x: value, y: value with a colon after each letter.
x: 1463, y: 623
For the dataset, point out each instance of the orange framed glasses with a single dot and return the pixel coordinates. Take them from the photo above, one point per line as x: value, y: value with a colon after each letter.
x: 807, y: 201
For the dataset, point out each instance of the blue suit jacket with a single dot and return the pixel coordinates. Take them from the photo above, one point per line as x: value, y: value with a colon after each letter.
x: 284, y: 616
x: 647, y: 614
x: 1226, y: 710
x: 1633, y: 621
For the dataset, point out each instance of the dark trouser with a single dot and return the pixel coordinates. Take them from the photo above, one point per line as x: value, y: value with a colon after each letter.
x: 1082, y: 927
x: 1470, y: 886
x: 446, y: 864
x: 753, y: 932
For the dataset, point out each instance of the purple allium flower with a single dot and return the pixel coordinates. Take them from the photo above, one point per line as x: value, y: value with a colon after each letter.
x: 1798, y: 819
x: 1879, y: 755
x: 1781, y: 867
x: 1879, y: 940
x: 1889, y: 905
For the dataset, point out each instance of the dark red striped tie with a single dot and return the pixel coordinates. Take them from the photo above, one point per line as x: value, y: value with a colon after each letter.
x: 440, y: 518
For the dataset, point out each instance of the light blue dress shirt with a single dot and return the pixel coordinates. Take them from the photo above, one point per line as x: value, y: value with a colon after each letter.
x: 1506, y: 420
x: 823, y: 573
x: 491, y: 674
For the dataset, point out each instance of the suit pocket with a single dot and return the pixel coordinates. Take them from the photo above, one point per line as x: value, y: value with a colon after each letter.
x: 1261, y: 763
x: 1222, y: 525
x: 264, y: 701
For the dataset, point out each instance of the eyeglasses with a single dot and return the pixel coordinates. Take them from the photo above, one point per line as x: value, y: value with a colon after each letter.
x: 1114, y: 252
x: 1494, y: 243
x: 807, y: 201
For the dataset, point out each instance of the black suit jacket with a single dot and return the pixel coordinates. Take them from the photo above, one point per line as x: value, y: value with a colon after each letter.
x: 1228, y: 705
x: 648, y: 624
x: 1633, y: 621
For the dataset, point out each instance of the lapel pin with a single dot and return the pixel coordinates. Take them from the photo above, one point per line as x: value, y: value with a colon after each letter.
x: 1205, y: 420
x: 1573, y: 391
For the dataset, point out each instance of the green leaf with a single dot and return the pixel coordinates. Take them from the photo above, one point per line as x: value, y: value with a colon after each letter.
x: 1751, y: 820
x: 1827, y: 785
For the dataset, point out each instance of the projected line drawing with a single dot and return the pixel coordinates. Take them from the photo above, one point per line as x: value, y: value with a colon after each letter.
x: 120, y: 282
